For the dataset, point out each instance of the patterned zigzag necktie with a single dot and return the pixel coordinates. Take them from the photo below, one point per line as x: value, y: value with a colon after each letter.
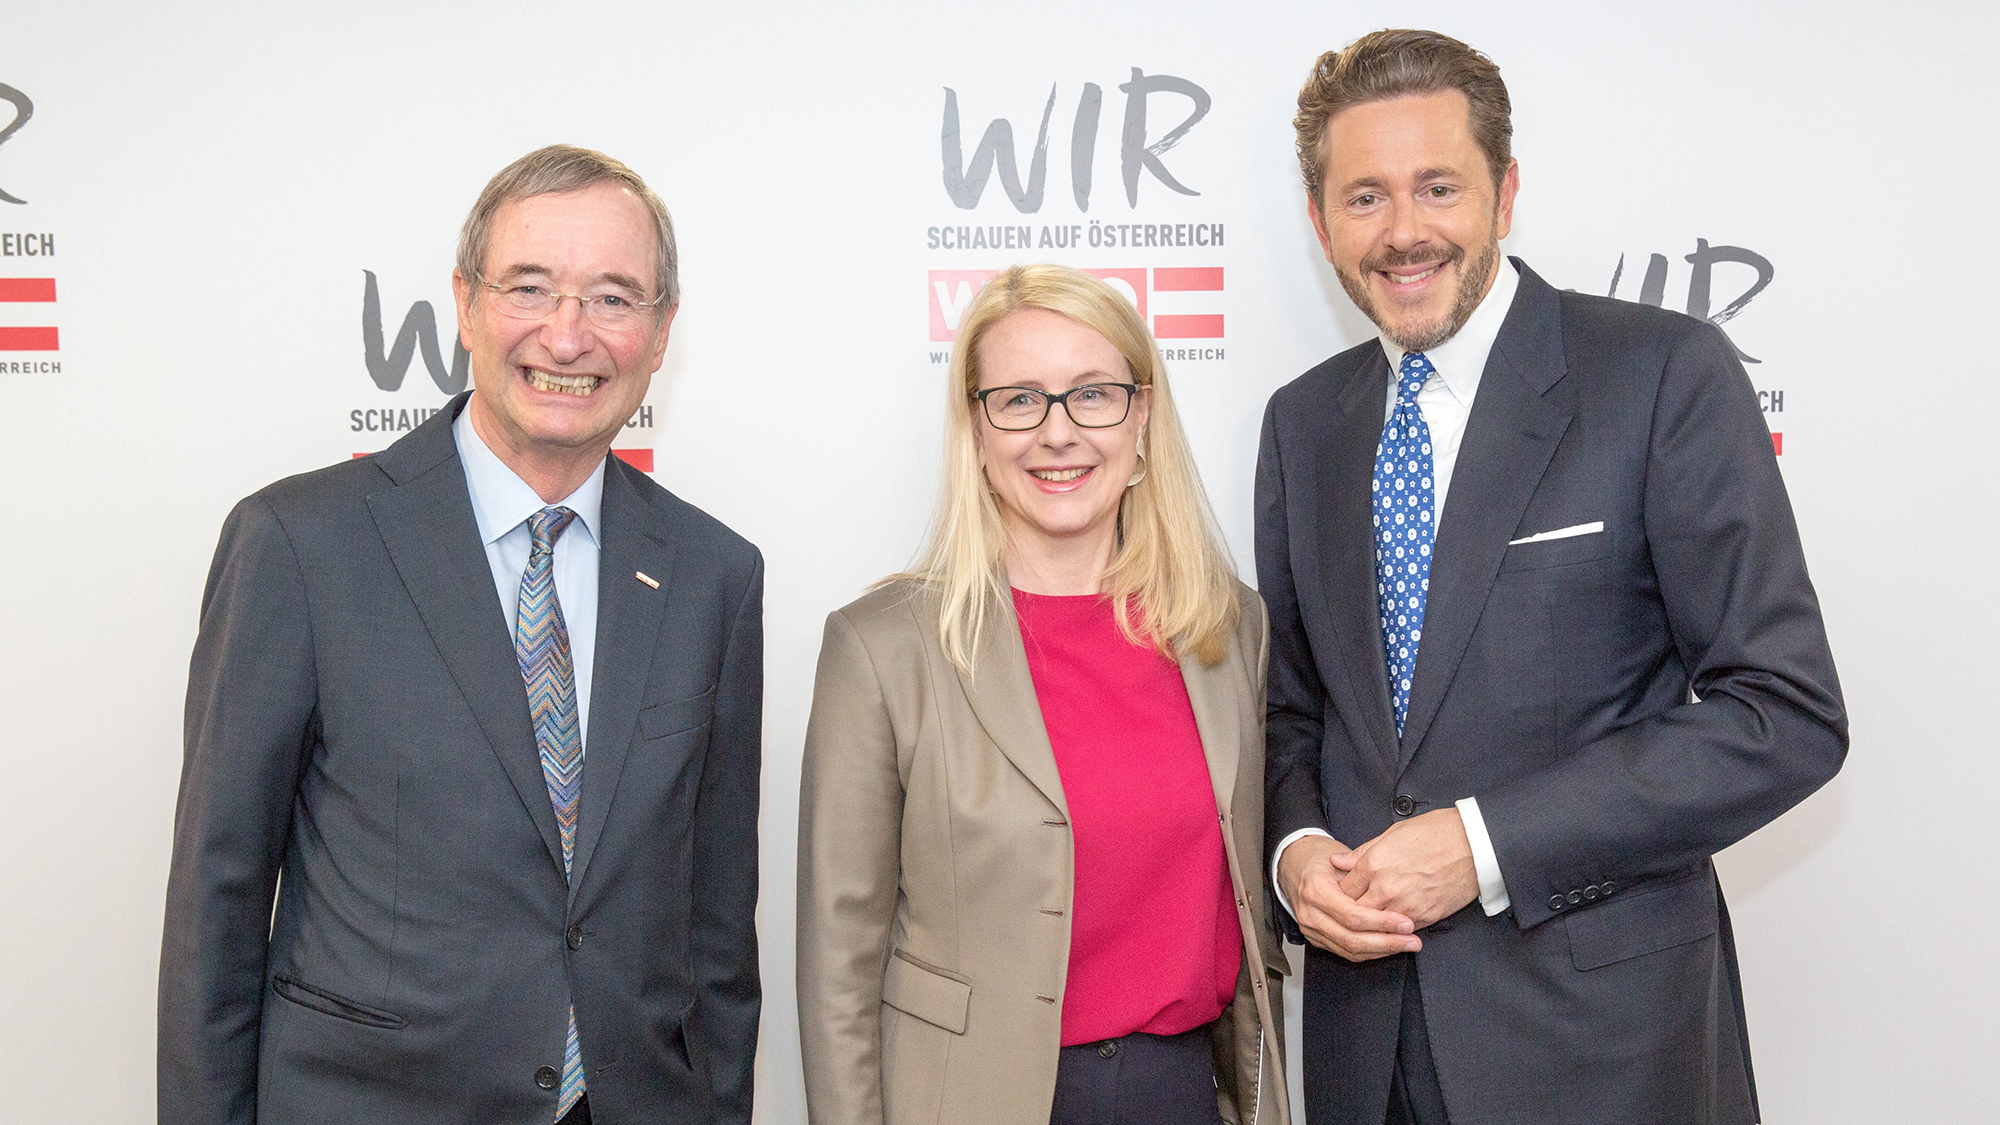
x: 1404, y: 530
x: 541, y: 642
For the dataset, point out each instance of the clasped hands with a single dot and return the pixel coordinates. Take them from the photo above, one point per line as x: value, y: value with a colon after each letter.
x: 1369, y: 902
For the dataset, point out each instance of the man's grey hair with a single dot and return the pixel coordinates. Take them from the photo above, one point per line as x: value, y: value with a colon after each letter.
x: 555, y: 170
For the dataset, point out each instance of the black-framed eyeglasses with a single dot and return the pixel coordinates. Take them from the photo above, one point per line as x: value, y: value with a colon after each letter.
x: 610, y: 307
x: 1094, y: 406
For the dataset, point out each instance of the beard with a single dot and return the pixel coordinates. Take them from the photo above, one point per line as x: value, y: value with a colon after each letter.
x: 1423, y: 336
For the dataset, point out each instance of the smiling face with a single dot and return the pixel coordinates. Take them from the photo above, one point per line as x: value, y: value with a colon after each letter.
x: 1059, y: 481
x: 550, y: 394
x: 1411, y: 219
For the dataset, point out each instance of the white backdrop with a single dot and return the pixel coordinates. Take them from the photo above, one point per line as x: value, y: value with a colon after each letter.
x: 216, y: 186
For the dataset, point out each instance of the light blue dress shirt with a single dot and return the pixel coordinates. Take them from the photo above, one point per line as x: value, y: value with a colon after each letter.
x: 501, y: 504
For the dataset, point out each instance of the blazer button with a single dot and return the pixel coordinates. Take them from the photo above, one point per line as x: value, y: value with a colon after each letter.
x: 1606, y: 887
x: 573, y: 937
x: 1576, y: 898
x: 546, y: 1077
x: 1590, y: 893
x: 1107, y: 1049
x: 1557, y: 902
x: 1405, y: 804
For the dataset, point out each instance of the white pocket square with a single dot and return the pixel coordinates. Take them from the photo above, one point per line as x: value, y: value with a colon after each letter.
x: 1591, y: 528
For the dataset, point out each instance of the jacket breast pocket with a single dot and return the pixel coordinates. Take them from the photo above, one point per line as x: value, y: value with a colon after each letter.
x: 1567, y: 551
x: 1645, y: 919
x: 663, y: 720
x: 928, y: 993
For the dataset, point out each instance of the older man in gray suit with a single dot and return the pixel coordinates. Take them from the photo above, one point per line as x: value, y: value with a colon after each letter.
x: 1508, y: 732
x: 467, y: 823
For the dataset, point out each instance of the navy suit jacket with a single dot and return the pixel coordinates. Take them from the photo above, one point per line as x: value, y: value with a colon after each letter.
x: 1623, y: 705
x: 367, y: 918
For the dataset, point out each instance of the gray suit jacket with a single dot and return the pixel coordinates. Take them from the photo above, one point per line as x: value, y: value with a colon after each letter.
x: 1553, y: 683
x: 357, y: 724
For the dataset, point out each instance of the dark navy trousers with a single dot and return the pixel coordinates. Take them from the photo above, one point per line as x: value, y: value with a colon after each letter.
x: 1138, y: 1079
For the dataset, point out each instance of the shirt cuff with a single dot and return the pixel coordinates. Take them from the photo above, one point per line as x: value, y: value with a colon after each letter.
x: 1492, y: 888
x: 1280, y: 853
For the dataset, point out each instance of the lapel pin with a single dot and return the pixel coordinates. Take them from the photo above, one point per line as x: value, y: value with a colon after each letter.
x: 646, y: 578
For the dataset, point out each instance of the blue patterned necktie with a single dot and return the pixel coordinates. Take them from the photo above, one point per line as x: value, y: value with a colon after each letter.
x: 1404, y: 530
x: 541, y: 642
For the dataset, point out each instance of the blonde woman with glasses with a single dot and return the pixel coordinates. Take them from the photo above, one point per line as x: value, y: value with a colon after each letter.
x: 1032, y: 808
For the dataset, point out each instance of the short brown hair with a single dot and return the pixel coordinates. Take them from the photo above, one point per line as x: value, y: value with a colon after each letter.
x: 557, y: 170
x: 1398, y: 63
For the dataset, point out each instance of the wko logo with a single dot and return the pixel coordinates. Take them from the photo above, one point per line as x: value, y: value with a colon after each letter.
x: 418, y: 335
x: 27, y: 290
x: 1700, y: 299
x: 965, y: 182
x: 953, y: 290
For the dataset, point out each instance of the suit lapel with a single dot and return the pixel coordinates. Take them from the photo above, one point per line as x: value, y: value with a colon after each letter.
x: 1510, y: 437
x: 1217, y: 700
x: 1347, y: 531
x: 427, y: 525
x: 1002, y: 694
x: 629, y: 619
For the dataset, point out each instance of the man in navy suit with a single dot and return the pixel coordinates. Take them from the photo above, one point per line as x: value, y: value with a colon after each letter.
x: 1542, y: 643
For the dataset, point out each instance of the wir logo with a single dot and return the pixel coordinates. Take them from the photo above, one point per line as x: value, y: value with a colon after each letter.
x: 418, y: 333
x: 965, y: 182
x: 1700, y: 292
x: 23, y: 109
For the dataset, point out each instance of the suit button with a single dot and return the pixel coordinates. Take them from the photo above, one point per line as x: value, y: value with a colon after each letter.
x: 1405, y: 804
x: 1557, y: 902
x: 546, y: 1077
x: 573, y: 937
x: 1590, y: 893
x: 1107, y: 1049
x: 1576, y: 898
x: 1606, y: 887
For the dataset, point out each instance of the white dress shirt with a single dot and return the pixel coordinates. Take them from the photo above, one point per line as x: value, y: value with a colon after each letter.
x: 1446, y: 402
x: 501, y: 504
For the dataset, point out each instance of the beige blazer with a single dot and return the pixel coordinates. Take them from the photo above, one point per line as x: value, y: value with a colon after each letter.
x: 936, y: 875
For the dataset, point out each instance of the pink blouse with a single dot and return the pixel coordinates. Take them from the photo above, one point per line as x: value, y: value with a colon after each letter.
x: 1154, y: 944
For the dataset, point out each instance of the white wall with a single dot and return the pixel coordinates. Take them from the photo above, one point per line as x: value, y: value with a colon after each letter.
x: 217, y: 183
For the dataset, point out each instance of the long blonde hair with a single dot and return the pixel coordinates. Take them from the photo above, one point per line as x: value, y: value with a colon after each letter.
x: 1171, y: 580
